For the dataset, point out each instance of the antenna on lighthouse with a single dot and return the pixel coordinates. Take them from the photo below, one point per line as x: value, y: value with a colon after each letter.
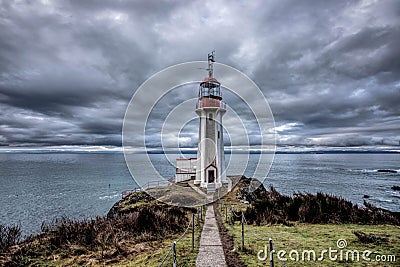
x: 211, y: 60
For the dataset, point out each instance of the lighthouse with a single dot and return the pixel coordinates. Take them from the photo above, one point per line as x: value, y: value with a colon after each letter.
x: 210, y: 169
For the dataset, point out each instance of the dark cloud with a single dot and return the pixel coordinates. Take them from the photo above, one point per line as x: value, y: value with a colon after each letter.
x: 329, y: 69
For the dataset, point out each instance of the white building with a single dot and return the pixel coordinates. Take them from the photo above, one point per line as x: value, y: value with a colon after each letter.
x: 209, y: 167
x: 185, y: 169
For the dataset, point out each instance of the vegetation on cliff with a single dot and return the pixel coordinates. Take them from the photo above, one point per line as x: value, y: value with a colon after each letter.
x: 134, y: 225
x: 271, y: 207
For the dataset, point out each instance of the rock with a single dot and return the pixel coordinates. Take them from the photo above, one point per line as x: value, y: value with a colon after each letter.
x: 366, y: 196
x: 396, y: 188
x: 387, y: 170
x: 370, y: 238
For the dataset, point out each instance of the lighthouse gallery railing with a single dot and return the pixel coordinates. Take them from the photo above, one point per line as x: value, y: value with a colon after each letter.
x: 210, y: 103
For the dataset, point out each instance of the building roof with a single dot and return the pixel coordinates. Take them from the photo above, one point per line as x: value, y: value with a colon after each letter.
x: 207, y: 79
x: 186, y: 158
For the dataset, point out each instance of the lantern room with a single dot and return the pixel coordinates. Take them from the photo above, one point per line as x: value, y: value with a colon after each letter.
x: 211, y: 88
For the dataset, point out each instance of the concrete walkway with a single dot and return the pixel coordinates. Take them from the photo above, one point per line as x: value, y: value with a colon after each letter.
x: 211, y: 253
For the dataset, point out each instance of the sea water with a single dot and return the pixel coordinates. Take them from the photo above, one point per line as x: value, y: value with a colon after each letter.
x: 41, y: 187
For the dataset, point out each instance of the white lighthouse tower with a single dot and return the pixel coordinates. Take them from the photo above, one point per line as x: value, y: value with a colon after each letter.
x: 210, y: 169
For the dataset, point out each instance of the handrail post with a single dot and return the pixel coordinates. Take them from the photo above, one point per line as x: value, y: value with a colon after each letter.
x: 271, y: 253
x: 231, y: 222
x: 226, y: 214
x: 174, y: 250
x: 192, y: 231
x: 242, y: 231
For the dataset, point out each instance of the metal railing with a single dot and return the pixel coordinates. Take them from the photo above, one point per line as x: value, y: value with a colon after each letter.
x: 146, y: 186
x: 210, y: 103
x: 158, y: 183
x: 191, y: 226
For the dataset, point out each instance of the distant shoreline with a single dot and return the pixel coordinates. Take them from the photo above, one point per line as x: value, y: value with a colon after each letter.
x: 16, y: 151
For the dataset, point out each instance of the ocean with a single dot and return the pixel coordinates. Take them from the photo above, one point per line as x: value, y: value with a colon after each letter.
x: 40, y: 187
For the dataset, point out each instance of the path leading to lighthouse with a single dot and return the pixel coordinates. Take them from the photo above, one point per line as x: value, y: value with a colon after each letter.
x: 211, y: 253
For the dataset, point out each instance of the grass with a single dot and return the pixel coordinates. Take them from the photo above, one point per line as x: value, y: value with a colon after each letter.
x: 317, y: 237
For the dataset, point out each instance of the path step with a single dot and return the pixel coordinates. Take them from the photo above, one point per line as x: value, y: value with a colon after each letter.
x: 210, y: 188
x: 211, y: 253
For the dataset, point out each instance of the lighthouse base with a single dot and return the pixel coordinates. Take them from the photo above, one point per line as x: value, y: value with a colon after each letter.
x: 211, y: 187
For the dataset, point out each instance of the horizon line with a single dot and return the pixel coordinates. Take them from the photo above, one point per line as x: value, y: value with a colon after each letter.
x: 116, y: 150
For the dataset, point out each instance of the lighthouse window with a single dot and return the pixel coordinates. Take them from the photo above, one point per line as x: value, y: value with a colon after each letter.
x: 218, y: 134
x: 217, y: 91
x: 204, y: 91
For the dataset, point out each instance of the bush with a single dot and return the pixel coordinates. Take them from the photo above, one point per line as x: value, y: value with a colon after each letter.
x: 148, y: 222
x: 9, y: 236
x: 272, y: 207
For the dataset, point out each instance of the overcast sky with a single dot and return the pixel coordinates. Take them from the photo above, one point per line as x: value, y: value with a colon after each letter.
x: 330, y: 70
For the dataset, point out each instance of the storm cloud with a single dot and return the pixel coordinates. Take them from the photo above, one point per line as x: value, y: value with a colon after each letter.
x: 330, y: 70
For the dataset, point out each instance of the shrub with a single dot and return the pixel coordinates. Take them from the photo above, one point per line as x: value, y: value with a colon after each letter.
x: 151, y: 221
x: 271, y: 207
x: 9, y: 236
